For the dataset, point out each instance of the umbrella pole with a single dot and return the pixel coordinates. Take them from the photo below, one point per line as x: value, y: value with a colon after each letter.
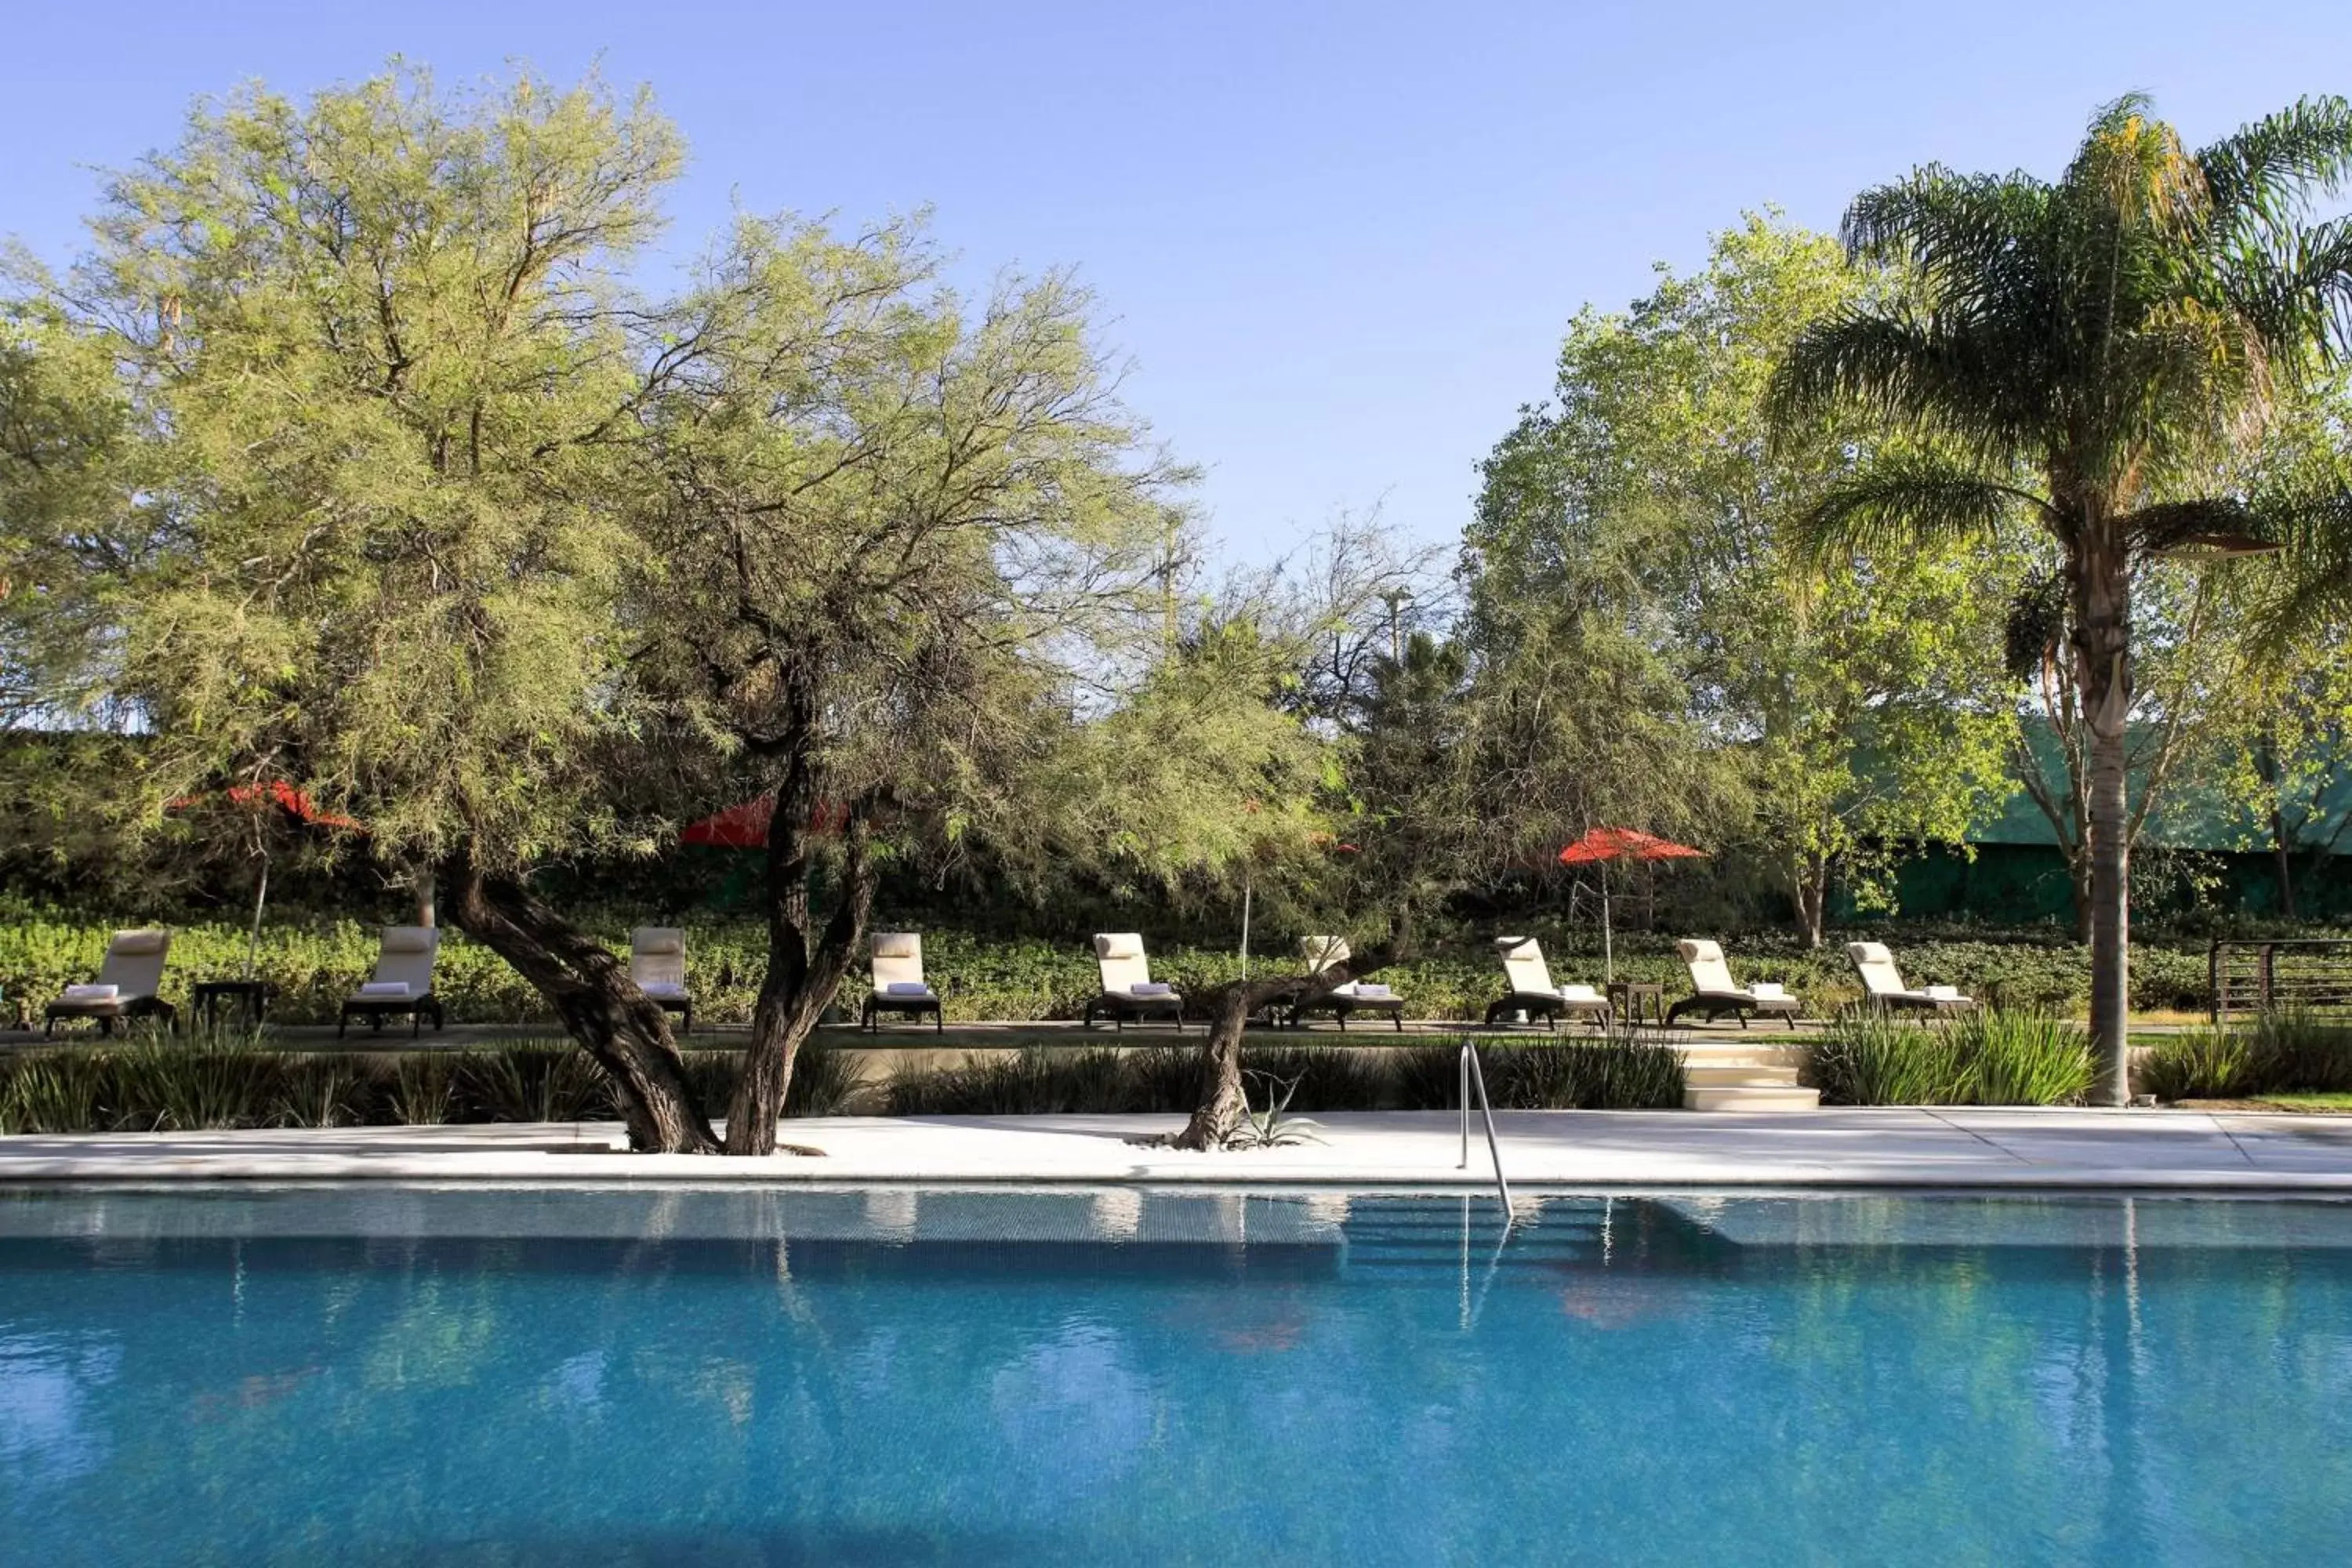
x: 253, y: 940
x: 1246, y: 915
x: 1608, y: 952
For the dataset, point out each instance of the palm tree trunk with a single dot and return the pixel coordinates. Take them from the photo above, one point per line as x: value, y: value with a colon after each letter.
x: 2103, y: 646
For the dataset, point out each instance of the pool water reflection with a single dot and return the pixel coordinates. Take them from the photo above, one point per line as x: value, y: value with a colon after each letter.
x: 664, y: 1376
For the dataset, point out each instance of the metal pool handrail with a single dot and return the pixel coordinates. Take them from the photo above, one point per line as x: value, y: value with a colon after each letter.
x: 1472, y: 1073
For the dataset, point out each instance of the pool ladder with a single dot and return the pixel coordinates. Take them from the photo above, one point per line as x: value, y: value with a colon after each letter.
x: 1473, y: 1074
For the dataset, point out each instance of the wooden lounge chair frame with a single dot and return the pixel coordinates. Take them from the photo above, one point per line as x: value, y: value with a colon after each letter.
x: 134, y: 967
x: 404, y: 953
x: 1532, y: 991
x: 1120, y: 962
x: 898, y: 957
x: 1882, y: 984
x: 1713, y: 994
x: 657, y: 965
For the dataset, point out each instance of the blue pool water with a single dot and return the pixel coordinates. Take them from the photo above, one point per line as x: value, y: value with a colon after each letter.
x: 710, y: 1376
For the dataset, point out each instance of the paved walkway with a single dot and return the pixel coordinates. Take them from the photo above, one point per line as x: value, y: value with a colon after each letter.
x: 1944, y: 1148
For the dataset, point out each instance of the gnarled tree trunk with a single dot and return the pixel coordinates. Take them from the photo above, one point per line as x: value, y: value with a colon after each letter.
x: 806, y: 963
x: 1219, y: 1114
x: 591, y: 991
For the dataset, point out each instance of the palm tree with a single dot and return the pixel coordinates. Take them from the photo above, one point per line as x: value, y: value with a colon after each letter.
x: 2086, y: 355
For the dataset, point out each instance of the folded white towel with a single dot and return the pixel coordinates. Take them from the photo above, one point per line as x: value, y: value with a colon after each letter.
x: 1769, y: 990
x: 384, y: 988
x: 1578, y: 993
x: 907, y: 988
x: 1151, y: 988
x: 662, y: 988
x: 1945, y: 993
x: 92, y: 993
x: 1376, y: 993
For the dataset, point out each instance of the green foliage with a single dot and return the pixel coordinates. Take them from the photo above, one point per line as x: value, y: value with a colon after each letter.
x: 1989, y: 1057
x: 1867, y: 701
x: 2280, y: 1052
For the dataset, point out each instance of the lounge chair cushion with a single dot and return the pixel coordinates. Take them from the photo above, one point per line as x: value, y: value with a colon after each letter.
x: 408, y: 939
x: 897, y: 944
x: 139, y: 943
x: 658, y: 941
x: 1322, y: 951
x: 1118, y: 944
x: 91, y: 992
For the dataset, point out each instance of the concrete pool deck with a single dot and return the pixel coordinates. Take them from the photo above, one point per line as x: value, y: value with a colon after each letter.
x: 1993, y: 1147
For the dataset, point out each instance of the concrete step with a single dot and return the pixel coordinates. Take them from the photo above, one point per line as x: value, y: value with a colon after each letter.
x: 1733, y: 1055
x: 1715, y: 1075
x: 1750, y: 1097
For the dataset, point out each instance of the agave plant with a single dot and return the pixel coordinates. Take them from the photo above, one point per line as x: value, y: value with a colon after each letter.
x: 1273, y: 1128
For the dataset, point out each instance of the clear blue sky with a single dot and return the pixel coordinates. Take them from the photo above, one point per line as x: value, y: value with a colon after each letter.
x: 1339, y: 242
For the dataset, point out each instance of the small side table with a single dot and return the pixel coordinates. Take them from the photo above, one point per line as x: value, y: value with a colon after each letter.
x: 1626, y: 998
x: 251, y: 997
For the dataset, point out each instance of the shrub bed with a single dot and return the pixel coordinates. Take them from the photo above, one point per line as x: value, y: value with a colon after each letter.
x: 1604, y: 1074
x: 1989, y: 1057
x: 2280, y: 1053
x: 161, y: 1087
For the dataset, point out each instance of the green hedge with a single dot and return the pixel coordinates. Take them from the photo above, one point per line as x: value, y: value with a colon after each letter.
x: 318, y: 962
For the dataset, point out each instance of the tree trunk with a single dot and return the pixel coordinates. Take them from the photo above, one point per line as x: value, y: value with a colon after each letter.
x: 1812, y: 895
x: 1218, y: 1116
x: 805, y: 964
x: 2102, y: 649
x: 601, y: 1006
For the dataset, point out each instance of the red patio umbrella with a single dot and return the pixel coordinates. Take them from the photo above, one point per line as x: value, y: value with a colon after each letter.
x: 745, y: 827
x: 257, y: 799
x: 1603, y: 845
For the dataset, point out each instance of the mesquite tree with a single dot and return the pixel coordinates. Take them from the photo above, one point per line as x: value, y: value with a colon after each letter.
x: 2086, y: 355
x: 904, y: 556
x: 378, y: 363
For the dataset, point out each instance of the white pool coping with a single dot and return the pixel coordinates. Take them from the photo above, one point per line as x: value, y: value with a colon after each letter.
x: 1993, y: 1148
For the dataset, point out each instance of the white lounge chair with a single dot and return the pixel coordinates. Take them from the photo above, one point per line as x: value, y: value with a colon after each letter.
x: 1884, y: 983
x: 402, y: 986
x: 1127, y: 989
x: 1714, y: 994
x: 657, y: 965
x: 900, y: 985
x: 126, y: 987
x: 1533, y: 992
x: 1354, y: 996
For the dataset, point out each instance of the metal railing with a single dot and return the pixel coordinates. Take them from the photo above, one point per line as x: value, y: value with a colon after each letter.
x: 2301, y: 974
x: 1473, y: 1074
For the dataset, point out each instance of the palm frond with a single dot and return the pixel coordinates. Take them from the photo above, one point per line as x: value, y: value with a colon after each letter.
x: 2266, y: 171
x: 1974, y: 382
x: 1910, y: 499
x: 2316, y: 531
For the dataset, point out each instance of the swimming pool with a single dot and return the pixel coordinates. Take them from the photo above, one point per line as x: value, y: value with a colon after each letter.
x: 654, y: 1376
